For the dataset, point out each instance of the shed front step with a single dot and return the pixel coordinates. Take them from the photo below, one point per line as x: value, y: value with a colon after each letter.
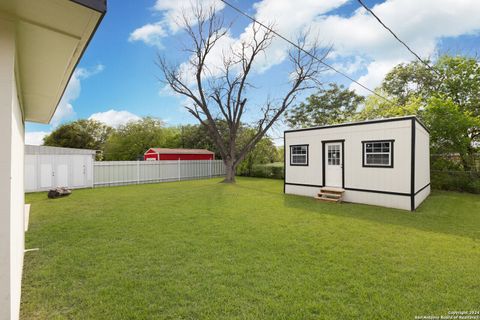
x: 332, y: 190
x: 330, y: 195
x: 328, y: 199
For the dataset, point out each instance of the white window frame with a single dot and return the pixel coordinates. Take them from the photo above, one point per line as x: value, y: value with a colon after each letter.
x: 377, y: 165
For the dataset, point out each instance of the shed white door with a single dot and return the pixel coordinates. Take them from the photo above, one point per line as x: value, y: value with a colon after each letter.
x: 46, y: 171
x: 79, y: 171
x: 333, y: 164
x: 61, y: 172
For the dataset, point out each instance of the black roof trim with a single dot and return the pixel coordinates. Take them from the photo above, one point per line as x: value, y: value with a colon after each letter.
x: 97, y: 5
x: 361, y: 123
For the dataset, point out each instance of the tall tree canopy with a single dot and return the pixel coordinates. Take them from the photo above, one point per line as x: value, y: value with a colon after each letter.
x: 455, y: 77
x: 220, y: 91
x: 130, y: 141
x: 329, y: 106
x: 377, y: 108
x: 456, y: 80
x: 450, y: 128
x: 82, y: 134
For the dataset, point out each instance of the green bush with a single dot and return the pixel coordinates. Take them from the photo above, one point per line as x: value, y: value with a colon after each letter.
x: 271, y: 170
x: 463, y: 181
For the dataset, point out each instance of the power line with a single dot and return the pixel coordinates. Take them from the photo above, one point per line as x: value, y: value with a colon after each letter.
x: 396, y: 37
x: 301, y: 49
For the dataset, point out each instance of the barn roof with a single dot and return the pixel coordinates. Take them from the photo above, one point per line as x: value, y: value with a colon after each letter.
x: 180, y: 151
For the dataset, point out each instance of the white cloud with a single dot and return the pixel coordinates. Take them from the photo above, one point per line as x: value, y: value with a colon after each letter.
x: 35, y: 137
x: 270, y: 12
x: 360, y: 43
x: 421, y: 24
x: 173, y: 12
x: 65, y: 110
x: 114, y: 118
x: 151, y: 34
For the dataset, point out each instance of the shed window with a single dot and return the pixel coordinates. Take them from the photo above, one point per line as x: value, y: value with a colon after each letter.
x: 378, y: 153
x: 299, y: 155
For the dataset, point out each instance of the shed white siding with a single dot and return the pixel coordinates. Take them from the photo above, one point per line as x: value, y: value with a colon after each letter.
x: 383, y: 186
x: 422, y: 164
x: 50, y: 167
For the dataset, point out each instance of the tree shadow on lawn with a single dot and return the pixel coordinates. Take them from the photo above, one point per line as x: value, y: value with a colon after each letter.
x: 442, y: 212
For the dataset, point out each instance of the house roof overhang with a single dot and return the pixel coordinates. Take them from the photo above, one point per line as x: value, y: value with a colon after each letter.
x: 50, y: 38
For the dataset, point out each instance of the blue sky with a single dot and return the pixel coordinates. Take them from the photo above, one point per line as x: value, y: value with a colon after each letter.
x: 116, y: 80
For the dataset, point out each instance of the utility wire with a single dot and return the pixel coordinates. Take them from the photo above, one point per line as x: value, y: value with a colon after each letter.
x: 306, y: 52
x: 396, y: 37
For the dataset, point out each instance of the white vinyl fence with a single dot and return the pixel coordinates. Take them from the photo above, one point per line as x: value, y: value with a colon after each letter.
x: 116, y: 173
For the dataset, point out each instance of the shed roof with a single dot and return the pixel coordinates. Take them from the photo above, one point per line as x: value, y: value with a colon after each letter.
x: 31, y: 149
x: 347, y: 124
x: 180, y: 151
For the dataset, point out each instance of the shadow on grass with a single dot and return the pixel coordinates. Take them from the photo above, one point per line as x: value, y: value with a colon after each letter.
x: 442, y: 212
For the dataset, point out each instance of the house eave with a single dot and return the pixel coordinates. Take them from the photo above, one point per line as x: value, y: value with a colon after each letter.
x: 51, y: 37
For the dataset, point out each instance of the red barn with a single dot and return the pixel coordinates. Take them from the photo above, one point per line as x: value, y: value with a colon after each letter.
x: 178, y: 154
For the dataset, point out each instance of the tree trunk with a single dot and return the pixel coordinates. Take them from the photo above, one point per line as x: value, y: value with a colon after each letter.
x: 230, y: 170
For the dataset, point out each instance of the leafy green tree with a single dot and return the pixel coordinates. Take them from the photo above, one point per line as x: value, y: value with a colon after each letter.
x: 196, y: 137
x: 408, y: 80
x: 82, y: 134
x: 279, y: 154
x: 329, y: 106
x: 130, y: 141
x: 460, y: 81
x: 456, y: 77
x: 263, y: 152
x: 378, y: 108
x: 449, y: 129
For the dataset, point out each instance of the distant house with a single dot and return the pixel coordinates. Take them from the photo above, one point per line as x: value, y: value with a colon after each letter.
x: 380, y: 162
x: 178, y: 154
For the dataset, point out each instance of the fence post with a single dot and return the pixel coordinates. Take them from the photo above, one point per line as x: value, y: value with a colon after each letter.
x: 210, y: 168
x: 138, y: 171
x: 178, y: 168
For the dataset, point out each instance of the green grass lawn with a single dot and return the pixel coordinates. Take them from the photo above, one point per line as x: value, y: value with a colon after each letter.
x: 205, y: 250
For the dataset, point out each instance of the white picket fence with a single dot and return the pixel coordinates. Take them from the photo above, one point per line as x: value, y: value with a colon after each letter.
x: 116, y: 173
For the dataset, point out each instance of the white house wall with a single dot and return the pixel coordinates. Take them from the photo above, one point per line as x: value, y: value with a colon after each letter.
x: 17, y: 204
x: 11, y: 178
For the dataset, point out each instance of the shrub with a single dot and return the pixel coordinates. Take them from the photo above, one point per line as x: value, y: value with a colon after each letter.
x: 271, y: 170
x: 463, y: 181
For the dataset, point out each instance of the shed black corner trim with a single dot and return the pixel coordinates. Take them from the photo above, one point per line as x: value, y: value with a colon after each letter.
x: 412, y: 173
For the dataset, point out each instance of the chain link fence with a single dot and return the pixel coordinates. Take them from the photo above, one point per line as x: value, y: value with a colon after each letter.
x: 447, y: 172
x: 455, y: 173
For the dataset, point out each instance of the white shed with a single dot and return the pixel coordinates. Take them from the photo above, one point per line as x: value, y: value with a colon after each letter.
x: 50, y: 167
x: 380, y: 162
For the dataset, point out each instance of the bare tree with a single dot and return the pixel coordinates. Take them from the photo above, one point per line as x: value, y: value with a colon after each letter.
x: 220, y: 94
